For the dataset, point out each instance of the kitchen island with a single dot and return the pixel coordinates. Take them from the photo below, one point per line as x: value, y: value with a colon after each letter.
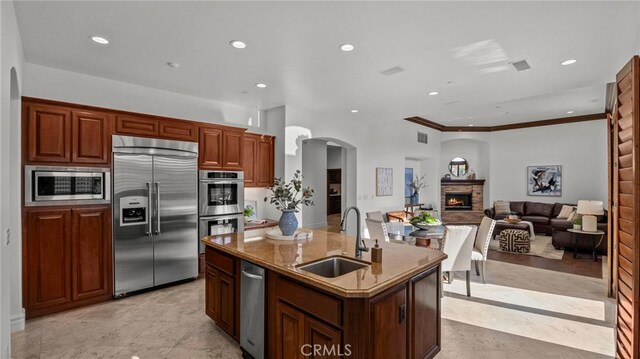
x: 383, y: 310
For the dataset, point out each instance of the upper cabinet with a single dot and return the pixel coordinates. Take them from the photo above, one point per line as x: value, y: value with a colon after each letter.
x: 258, y: 160
x: 221, y: 148
x: 179, y: 130
x: 154, y: 127
x: 137, y: 126
x: 59, y: 134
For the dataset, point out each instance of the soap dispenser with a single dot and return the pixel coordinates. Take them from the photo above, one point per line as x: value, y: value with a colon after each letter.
x: 376, y: 253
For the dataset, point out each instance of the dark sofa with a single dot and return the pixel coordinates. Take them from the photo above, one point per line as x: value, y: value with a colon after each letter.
x: 545, y: 221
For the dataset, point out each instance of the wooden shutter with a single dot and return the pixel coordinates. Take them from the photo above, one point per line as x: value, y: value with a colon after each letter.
x: 626, y: 226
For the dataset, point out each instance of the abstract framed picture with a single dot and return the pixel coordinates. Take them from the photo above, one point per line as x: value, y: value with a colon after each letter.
x: 253, y: 205
x: 544, y: 181
x: 384, y: 181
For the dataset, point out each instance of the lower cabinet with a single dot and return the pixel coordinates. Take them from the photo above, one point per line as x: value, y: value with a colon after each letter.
x: 67, y: 260
x: 222, y: 286
x: 389, y: 324
x: 425, y: 297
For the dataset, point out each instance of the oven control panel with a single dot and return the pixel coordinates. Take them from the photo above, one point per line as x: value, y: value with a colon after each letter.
x: 133, y: 211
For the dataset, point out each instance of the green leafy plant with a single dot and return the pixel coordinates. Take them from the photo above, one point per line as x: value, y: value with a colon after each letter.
x: 248, y: 211
x: 513, y: 213
x: 290, y: 195
x: 578, y: 221
x: 424, y: 217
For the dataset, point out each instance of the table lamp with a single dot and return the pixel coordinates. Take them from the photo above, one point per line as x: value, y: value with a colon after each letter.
x: 589, y: 210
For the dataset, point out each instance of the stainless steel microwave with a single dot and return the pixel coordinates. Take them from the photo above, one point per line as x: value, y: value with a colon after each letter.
x: 66, y: 185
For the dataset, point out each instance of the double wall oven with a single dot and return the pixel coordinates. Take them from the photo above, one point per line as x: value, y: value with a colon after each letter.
x: 221, y: 203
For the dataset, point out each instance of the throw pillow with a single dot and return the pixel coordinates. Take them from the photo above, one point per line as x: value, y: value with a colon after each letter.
x: 565, y: 212
x: 502, y: 207
x: 574, y: 215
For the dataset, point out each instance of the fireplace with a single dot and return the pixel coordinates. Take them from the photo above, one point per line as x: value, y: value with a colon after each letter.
x: 457, y: 201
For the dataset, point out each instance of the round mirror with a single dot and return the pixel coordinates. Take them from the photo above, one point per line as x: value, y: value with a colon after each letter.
x: 458, y: 167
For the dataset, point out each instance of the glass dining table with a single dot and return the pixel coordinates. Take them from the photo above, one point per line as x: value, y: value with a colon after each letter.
x: 406, y: 233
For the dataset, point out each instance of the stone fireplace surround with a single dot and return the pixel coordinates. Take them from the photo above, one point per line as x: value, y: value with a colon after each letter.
x: 463, y: 216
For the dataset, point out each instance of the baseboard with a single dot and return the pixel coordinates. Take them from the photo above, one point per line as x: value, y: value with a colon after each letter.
x: 17, y: 321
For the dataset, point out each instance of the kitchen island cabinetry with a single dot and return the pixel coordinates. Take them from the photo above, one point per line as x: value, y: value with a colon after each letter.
x: 222, y: 286
x: 389, y: 309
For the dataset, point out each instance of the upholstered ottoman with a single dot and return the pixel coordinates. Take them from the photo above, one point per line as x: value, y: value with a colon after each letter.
x: 515, y: 240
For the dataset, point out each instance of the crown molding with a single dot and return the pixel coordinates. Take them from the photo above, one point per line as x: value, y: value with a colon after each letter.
x: 512, y: 126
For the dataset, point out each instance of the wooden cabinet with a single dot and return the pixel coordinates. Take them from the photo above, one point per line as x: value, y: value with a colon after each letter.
x: 425, y: 297
x: 68, y: 258
x: 136, y: 126
x: 91, y: 139
x: 178, y: 130
x: 320, y: 335
x: 48, y: 133
x: 289, y: 331
x: 222, y: 291
x: 258, y: 161
x: 232, y: 149
x: 221, y: 148
x: 389, y: 324
x: 48, y: 259
x: 250, y: 159
x: 91, y: 254
x: 210, y: 151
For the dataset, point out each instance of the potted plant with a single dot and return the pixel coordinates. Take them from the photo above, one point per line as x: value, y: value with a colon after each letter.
x: 577, y: 223
x: 248, y: 212
x: 513, y: 215
x: 417, y: 184
x: 288, y: 197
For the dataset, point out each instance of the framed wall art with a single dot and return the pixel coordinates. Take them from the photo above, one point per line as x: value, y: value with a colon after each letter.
x: 384, y: 181
x: 544, y: 181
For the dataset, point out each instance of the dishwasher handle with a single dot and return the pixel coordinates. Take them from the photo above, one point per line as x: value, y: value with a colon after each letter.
x: 252, y: 276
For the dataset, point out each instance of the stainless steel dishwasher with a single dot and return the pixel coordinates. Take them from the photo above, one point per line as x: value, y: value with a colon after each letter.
x: 252, y: 298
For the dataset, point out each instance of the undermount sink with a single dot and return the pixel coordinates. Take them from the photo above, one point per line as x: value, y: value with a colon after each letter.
x: 332, y: 267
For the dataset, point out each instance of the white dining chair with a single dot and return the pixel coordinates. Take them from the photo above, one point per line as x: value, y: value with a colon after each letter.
x: 377, y: 230
x: 458, y: 245
x: 376, y: 215
x: 481, y: 245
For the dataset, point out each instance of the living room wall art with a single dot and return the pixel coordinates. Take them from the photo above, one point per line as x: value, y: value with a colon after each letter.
x: 384, y: 181
x: 544, y: 181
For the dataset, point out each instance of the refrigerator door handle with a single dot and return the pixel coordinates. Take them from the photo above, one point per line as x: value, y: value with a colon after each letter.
x: 148, y: 232
x: 157, y: 208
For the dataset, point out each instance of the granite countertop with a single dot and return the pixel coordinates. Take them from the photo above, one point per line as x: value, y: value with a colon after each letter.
x: 399, y: 262
x: 248, y: 226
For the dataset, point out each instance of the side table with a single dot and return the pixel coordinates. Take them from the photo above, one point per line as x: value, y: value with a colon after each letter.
x: 576, y: 233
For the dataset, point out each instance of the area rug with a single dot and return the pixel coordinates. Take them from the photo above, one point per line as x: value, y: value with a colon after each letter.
x: 540, y: 247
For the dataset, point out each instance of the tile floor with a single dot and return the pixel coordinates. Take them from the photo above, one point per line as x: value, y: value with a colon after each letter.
x: 523, y: 312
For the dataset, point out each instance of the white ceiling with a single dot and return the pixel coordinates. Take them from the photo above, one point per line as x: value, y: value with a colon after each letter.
x: 293, y: 48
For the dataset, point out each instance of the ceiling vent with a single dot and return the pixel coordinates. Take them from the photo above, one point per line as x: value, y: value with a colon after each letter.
x: 392, y: 71
x: 423, y: 137
x: 521, y: 65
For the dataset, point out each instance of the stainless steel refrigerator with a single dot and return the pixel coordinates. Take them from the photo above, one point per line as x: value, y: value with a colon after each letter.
x: 155, y: 212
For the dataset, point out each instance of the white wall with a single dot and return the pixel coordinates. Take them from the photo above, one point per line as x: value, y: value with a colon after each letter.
x: 55, y: 84
x: 314, y: 170
x: 11, y: 67
x: 334, y: 157
x: 581, y: 149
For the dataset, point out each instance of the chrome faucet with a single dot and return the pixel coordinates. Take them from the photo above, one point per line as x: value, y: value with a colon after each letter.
x: 343, y: 226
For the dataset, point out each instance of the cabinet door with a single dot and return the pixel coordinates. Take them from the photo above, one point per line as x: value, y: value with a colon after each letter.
x: 90, y: 137
x: 233, y: 150
x: 389, y: 320
x: 48, y: 134
x: 178, y: 130
x: 211, y: 292
x: 91, y: 252
x: 48, y: 262
x: 290, y: 330
x: 425, y: 306
x: 319, y: 335
x: 225, y: 315
x: 264, y: 166
x: 138, y: 126
x: 250, y: 161
x: 210, y: 148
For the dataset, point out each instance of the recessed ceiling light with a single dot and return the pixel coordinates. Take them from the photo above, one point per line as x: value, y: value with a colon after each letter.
x: 569, y: 112
x: 568, y: 62
x: 261, y: 85
x: 238, y: 44
x: 354, y: 111
x: 100, y: 40
x: 347, y: 47
x: 173, y: 65
x: 433, y: 93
